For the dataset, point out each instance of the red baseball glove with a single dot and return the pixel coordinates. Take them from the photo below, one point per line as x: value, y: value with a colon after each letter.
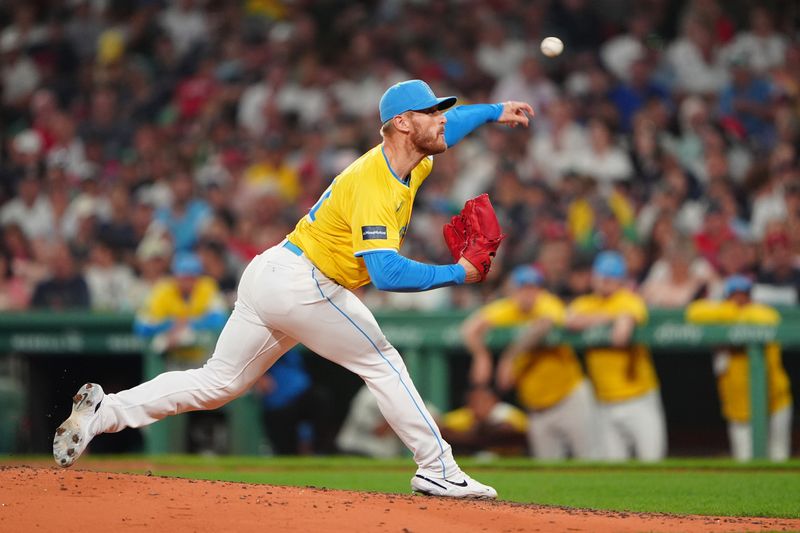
x: 455, y: 235
x: 475, y: 234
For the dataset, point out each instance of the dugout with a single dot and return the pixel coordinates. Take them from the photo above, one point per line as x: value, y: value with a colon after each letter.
x: 46, y: 357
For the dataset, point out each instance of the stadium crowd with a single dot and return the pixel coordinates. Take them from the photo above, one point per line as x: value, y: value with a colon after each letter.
x: 136, y: 131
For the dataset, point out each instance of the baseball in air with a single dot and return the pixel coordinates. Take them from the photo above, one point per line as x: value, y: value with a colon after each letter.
x: 552, y: 46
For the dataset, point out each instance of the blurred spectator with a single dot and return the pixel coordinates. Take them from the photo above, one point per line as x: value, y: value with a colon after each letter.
x: 109, y: 282
x: 30, y: 210
x: 778, y: 281
x: 186, y: 215
x: 15, y: 293
x: 66, y: 287
x: 715, y: 232
x: 677, y: 277
x: 731, y: 367
x: 635, y: 91
x: 186, y: 25
x: 499, y: 54
x: 630, y: 413
x: 271, y: 172
x: 365, y: 431
x: 215, y: 264
x: 527, y: 84
x: 549, y: 380
x: 745, y: 104
x: 152, y: 262
x: 556, y: 141
x: 296, y: 412
x: 18, y: 72
x: 485, y: 425
x: 91, y: 201
x: 762, y: 47
x: 621, y: 52
x: 695, y: 58
x: 178, y: 309
x: 602, y: 159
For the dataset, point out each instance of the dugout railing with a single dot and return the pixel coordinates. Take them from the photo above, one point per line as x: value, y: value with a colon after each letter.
x: 426, y: 340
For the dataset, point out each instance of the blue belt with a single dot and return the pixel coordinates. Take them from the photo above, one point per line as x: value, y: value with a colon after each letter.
x: 296, y: 250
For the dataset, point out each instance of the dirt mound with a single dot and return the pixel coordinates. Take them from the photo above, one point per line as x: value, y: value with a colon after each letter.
x: 49, y: 499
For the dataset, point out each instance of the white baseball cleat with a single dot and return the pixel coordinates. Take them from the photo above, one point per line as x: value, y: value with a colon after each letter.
x: 72, y: 436
x: 460, y: 486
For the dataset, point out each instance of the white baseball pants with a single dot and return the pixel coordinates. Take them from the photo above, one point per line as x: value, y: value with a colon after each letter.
x: 636, y: 425
x: 779, y: 437
x: 566, y: 429
x: 282, y: 300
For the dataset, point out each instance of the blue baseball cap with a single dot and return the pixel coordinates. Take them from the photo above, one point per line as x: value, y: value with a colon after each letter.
x: 187, y: 265
x: 526, y: 275
x: 737, y: 283
x: 411, y: 95
x: 609, y: 264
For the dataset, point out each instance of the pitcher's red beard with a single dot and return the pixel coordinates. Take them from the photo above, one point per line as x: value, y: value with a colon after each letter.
x: 429, y: 142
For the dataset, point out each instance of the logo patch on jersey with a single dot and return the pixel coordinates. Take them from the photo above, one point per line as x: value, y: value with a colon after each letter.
x: 373, y: 232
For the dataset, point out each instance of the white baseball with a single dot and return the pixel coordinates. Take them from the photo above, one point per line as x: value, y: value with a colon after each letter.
x: 552, y: 46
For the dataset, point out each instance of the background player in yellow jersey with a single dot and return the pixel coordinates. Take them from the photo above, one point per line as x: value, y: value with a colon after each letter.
x: 731, y: 367
x: 550, y: 382
x: 299, y: 292
x: 631, y: 415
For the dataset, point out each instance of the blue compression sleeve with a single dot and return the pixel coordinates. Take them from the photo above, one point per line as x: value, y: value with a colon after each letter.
x: 390, y: 271
x: 151, y: 329
x: 462, y: 120
x: 213, y: 320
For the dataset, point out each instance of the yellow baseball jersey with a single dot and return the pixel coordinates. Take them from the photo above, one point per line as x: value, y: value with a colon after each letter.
x: 166, y: 303
x: 463, y: 419
x: 618, y: 374
x: 545, y: 376
x: 733, y: 379
x: 365, y: 208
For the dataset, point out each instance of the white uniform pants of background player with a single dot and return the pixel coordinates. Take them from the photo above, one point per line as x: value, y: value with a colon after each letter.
x: 282, y: 300
x: 569, y: 428
x: 779, y: 437
x: 635, y: 425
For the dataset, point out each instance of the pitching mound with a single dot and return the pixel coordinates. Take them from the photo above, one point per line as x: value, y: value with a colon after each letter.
x: 49, y: 499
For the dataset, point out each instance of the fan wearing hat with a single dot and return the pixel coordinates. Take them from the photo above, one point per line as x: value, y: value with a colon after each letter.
x: 549, y: 380
x: 731, y: 366
x: 178, y: 308
x: 630, y: 413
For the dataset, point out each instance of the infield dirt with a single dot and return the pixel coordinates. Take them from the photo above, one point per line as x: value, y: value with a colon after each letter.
x: 50, y: 499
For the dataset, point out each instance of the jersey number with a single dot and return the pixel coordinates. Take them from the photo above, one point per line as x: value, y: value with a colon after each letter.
x: 312, y: 214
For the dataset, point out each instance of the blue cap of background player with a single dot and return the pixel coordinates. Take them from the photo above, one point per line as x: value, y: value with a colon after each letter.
x: 526, y: 275
x: 737, y: 283
x: 411, y: 95
x: 187, y: 265
x: 609, y: 264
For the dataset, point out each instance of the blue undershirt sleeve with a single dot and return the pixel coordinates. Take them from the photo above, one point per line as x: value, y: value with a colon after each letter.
x: 151, y: 329
x: 390, y: 271
x: 464, y: 119
x: 213, y: 320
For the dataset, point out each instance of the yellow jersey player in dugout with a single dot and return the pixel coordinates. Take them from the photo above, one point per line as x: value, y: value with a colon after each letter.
x: 732, y: 369
x: 299, y: 292
x: 630, y: 413
x: 550, y: 382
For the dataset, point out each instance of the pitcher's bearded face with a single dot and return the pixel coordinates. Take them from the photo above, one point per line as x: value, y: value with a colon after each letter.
x: 428, y: 131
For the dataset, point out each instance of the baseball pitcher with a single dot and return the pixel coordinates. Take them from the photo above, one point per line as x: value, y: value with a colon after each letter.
x: 300, y: 292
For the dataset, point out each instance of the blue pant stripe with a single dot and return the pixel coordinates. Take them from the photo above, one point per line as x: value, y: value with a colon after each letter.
x: 430, y: 426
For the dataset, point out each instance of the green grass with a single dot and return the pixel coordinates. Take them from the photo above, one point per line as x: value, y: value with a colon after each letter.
x: 684, y: 486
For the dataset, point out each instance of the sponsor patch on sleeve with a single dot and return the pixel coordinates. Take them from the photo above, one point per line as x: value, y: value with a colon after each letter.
x: 373, y: 232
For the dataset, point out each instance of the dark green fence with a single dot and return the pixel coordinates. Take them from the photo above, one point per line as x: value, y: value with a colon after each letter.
x: 426, y: 341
